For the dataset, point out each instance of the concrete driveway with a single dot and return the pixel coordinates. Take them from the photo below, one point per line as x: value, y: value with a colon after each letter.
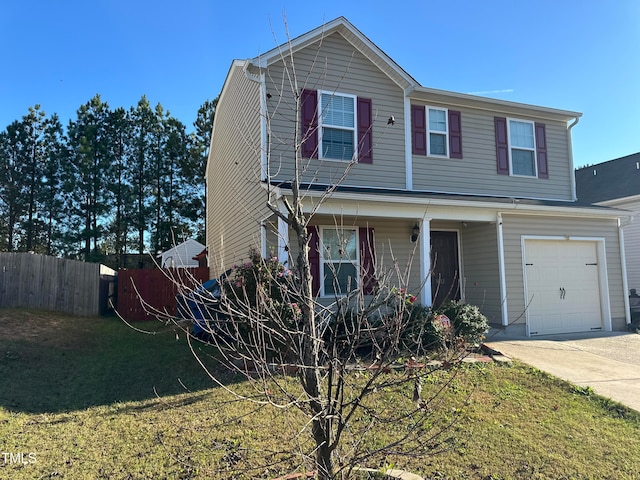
x: 608, y: 362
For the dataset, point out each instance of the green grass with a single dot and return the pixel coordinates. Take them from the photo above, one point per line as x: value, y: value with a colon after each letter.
x: 92, y: 398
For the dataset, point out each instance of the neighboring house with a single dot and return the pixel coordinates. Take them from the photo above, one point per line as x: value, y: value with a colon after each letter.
x: 484, y: 187
x: 182, y: 255
x: 616, y: 183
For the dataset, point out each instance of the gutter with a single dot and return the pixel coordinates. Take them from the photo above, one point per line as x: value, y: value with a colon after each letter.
x: 505, y: 208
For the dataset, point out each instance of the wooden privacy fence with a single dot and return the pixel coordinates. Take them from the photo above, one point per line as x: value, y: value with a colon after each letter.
x: 50, y: 283
x: 156, y: 287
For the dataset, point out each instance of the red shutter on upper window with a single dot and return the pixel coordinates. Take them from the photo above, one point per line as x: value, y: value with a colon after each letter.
x: 365, y: 135
x: 502, y: 145
x: 418, y: 130
x: 309, y: 120
x: 541, y: 151
x: 455, y: 135
x: 314, y: 258
x: 367, y: 260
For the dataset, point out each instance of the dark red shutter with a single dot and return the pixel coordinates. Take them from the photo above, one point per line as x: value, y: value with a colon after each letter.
x: 309, y: 120
x: 418, y: 130
x: 455, y: 135
x: 365, y: 136
x: 502, y: 145
x: 314, y: 258
x: 367, y: 260
x: 541, y: 150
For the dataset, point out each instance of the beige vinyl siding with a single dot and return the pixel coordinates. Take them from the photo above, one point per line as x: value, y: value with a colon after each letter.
x: 476, y: 173
x: 334, y: 65
x: 236, y: 200
x: 481, y: 275
x: 514, y: 227
x: 631, y: 242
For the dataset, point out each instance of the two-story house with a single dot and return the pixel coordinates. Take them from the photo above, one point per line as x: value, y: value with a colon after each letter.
x: 478, y: 192
x: 616, y: 183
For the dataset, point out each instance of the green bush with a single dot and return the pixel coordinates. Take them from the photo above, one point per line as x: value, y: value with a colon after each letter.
x: 468, y: 323
x: 425, y: 332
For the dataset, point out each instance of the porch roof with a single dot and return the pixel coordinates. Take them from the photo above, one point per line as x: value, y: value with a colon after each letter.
x: 412, y: 202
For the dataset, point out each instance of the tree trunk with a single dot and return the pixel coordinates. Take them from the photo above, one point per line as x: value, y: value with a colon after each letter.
x: 310, y: 374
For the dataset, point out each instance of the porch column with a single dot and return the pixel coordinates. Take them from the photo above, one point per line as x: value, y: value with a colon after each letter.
x: 425, y: 261
x: 503, y: 276
x: 283, y: 242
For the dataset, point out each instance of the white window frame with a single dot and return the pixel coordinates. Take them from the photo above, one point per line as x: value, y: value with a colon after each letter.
x: 511, y: 148
x: 323, y: 262
x: 321, y: 125
x: 438, y: 132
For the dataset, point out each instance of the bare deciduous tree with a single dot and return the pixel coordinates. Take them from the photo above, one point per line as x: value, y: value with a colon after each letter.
x: 372, y: 341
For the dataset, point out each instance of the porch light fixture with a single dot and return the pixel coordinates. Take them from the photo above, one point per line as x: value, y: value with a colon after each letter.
x: 415, y: 233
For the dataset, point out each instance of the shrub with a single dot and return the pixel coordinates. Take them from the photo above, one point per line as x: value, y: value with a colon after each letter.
x: 468, y: 323
x: 259, y: 294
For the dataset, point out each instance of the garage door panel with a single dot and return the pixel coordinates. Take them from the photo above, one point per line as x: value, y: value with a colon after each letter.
x: 562, y: 282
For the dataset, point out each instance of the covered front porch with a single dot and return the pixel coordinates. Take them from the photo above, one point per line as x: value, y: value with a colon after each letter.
x: 435, y: 259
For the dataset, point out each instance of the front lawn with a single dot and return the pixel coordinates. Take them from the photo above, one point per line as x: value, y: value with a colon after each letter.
x: 92, y: 398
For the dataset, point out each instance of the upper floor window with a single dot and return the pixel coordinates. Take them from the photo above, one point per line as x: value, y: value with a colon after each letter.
x: 521, y: 148
x: 337, y: 129
x: 336, y: 126
x: 436, y: 132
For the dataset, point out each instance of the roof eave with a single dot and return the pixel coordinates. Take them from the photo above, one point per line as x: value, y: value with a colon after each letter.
x: 514, y: 208
x: 456, y: 99
x: 359, y: 41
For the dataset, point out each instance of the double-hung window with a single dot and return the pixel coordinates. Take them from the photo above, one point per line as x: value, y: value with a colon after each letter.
x: 339, y: 261
x: 337, y: 126
x: 438, y: 132
x: 522, y: 148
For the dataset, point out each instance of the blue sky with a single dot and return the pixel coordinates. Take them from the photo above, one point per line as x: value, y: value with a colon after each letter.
x: 581, y: 55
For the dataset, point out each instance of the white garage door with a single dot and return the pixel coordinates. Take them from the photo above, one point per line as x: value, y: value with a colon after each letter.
x: 562, y: 286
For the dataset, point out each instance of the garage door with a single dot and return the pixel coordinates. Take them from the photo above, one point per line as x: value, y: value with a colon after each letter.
x: 562, y: 286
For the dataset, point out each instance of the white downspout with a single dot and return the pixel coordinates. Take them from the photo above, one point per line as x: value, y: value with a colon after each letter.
x: 503, y: 277
x: 572, y: 173
x: 263, y: 117
x: 623, y: 259
x: 408, y: 158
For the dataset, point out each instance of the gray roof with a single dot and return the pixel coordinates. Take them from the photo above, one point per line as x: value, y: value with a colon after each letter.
x: 619, y: 178
x: 408, y: 194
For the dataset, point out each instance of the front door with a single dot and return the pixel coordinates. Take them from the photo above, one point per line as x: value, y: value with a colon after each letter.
x: 445, y: 269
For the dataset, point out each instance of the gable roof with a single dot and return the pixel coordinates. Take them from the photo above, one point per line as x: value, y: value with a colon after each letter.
x: 397, y: 74
x: 615, y: 179
x: 350, y: 33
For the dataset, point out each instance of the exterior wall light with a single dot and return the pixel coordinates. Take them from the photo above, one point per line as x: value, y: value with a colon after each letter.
x: 415, y: 233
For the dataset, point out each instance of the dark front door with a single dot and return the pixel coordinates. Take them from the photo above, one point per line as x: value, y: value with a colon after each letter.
x: 445, y: 270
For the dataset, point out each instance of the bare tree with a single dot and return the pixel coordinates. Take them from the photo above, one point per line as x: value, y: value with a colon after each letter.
x: 265, y: 323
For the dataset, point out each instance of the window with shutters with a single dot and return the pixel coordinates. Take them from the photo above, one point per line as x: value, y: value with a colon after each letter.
x: 436, y: 132
x: 337, y: 126
x: 339, y: 262
x: 522, y: 148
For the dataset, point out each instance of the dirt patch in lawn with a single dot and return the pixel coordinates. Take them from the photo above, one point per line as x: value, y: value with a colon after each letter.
x: 46, y: 328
